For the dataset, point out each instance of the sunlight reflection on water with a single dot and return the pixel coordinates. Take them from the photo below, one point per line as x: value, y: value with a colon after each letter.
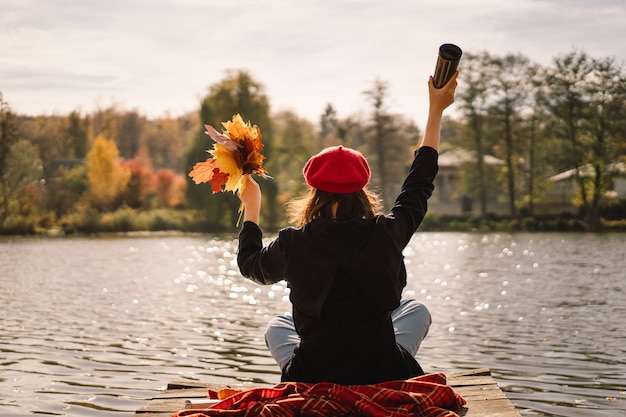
x: 95, y: 326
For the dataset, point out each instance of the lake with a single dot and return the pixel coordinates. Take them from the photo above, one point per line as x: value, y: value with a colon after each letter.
x: 97, y: 326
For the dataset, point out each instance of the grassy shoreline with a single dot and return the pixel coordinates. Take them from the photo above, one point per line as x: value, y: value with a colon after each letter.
x: 127, y: 220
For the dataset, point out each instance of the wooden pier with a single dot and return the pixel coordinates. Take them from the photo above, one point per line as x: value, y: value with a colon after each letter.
x: 484, y: 397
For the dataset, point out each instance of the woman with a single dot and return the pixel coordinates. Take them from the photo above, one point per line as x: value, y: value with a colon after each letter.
x: 344, y: 266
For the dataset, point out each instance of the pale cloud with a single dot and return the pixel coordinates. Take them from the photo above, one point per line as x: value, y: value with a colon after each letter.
x: 162, y: 55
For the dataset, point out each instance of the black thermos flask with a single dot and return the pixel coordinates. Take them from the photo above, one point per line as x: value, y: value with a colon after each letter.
x: 447, y: 63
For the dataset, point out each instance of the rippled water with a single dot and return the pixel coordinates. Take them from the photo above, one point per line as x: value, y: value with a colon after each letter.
x: 97, y: 326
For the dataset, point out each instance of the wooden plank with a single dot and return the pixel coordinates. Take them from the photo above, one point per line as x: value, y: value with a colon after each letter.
x: 470, y: 372
x: 183, y: 393
x: 170, y: 405
x: 480, y: 393
x: 489, y: 408
x: 484, y: 397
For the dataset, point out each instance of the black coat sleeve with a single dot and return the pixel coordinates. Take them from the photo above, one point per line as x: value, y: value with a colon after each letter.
x: 411, y: 204
x: 256, y: 262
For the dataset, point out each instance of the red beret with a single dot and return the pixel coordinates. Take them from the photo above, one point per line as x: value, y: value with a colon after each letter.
x: 337, y: 170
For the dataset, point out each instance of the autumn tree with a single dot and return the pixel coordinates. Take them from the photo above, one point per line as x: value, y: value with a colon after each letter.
x: 106, y: 122
x: 107, y: 178
x: 165, y: 143
x: 177, y: 192
x: 139, y: 185
x: 48, y: 134
x: 169, y: 188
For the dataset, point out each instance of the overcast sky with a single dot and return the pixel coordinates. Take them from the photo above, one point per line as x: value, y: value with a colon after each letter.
x: 161, y: 56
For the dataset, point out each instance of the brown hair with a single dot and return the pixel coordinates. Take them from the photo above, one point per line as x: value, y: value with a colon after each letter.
x: 363, y: 204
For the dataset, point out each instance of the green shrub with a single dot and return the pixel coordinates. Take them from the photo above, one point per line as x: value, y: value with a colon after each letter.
x: 19, y: 225
x: 613, y: 209
x: 82, y: 219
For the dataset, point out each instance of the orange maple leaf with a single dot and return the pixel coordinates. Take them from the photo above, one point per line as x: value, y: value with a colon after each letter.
x: 203, y: 171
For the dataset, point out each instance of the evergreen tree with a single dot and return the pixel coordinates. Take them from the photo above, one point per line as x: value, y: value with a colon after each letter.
x: 239, y: 93
x: 22, y: 168
x: 131, y: 125
x: 387, y: 144
x: 8, y: 132
x: 295, y: 141
x: 77, y: 136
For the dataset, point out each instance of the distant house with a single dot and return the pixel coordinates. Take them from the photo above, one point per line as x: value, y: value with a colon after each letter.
x: 564, y: 186
x: 446, y: 198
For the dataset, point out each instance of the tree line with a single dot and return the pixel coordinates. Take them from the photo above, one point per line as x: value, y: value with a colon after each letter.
x: 541, y: 121
x: 78, y: 170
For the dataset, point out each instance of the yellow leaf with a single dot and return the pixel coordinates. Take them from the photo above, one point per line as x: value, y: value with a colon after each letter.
x: 238, y: 130
x: 226, y: 163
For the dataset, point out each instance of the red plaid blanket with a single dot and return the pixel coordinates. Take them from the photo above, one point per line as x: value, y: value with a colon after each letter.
x: 426, y: 396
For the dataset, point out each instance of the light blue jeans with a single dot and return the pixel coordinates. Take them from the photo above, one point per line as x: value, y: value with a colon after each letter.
x: 411, y: 321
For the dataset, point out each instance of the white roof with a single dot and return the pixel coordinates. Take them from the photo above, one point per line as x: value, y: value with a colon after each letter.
x: 587, y: 171
x: 458, y: 156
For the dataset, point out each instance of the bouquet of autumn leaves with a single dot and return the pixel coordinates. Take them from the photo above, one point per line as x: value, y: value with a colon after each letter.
x: 236, y: 154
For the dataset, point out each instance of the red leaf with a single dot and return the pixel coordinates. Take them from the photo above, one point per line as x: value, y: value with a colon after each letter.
x: 219, y: 179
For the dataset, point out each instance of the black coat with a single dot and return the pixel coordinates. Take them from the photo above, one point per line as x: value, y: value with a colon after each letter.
x: 345, y: 280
